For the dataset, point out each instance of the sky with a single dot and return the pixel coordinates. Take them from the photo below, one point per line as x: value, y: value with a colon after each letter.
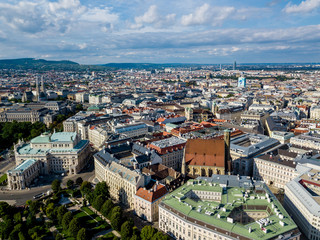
x: 162, y: 31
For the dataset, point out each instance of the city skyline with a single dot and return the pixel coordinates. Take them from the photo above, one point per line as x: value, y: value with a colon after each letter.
x: 98, y: 32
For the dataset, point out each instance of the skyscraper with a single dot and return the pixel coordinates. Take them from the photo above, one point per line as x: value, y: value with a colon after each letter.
x: 242, y: 82
x: 234, y: 65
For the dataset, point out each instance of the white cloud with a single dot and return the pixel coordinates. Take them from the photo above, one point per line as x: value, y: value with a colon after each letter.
x: 151, y: 16
x: 45, y: 16
x: 304, y: 7
x: 207, y: 14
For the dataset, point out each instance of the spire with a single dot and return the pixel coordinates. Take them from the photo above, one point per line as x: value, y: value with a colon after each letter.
x: 37, y: 87
x: 42, y: 85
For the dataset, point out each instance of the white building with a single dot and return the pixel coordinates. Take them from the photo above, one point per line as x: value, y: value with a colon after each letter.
x: 57, y: 152
x: 273, y: 170
x: 22, y: 175
x: 302, y: 202
x: 135, y: 129
x: 309, y: 140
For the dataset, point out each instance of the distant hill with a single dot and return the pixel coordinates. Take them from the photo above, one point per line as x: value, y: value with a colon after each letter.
x: 149, y: 66
x: 45, y: 65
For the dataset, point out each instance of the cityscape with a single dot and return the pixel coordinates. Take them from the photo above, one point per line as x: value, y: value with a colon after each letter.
x: 186, y: 120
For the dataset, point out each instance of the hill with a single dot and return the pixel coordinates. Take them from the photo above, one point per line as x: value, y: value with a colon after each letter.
x: 45, y: 65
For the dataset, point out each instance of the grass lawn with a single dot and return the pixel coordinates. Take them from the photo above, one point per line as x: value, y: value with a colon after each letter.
x: 3, y: 178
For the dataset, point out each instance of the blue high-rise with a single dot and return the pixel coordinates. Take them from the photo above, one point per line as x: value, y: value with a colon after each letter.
x: 242, y: 82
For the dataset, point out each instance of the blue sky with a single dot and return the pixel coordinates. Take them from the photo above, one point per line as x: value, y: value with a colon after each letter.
x: 165, y: 31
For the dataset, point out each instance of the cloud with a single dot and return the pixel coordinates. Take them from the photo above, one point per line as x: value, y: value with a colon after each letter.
x: 207, y: 14
x: 35, y: 17
x: 151, y: 16
x: 304, y: 7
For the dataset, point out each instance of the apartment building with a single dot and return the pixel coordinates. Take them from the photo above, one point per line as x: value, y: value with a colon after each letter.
x: 147, y: 201
x: 274, y: 170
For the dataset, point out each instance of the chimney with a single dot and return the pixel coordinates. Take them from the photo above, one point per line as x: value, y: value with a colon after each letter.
x: 227, y: 158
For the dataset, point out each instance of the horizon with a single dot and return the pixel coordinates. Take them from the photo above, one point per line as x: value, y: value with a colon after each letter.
x: 162, y: 63
x: 204, y: 32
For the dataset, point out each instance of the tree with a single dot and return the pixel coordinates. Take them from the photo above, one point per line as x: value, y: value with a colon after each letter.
x: 17, y: 218
x: 67, y: 217
x: 82, y: 234
x: 74, y: 227
x: 101, y: 189
x: 49, y: 210
x: 59, y: 237
x: 135, y: 237
x: 5, y: 208
x: 70, y: 183
x: 34, y: 207
x: 60, y: 213
x: 79, y: 181
x: 116, y: 220
x: 56, y: 185
x: 116, y: 209
x: 147, y: 232
x: 85, y: 187
x: 126, y: 230
x: 21, y: 236
x: 98, y: 202
x: 160, y: 236
x: 106, y: 208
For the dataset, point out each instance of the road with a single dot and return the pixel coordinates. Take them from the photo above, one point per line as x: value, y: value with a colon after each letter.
x: 20, y: 197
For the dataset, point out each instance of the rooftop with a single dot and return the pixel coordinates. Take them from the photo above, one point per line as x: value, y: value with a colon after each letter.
x: 236, y: 193
x: 23, y: 166
x: 168, y: 142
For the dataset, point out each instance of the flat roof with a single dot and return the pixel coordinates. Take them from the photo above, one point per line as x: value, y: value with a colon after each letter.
x: 232, y: 196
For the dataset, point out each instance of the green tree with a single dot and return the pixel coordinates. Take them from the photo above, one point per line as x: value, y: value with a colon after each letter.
x: 98, y: 202
x: 126, y: 230
x: 147, y: 232
x: 70, y: 183
x: 116, y: 220
x: 82, y: 234
x: 101, y: 189
x: 86, y: 187
x: 135, y: 237
x: 79, y: 181
x: 56, y: 185
x: 5, y: 208
x: 59, y: 237
x: 74, y: 227
x: 67, y: 217
x: 17, y: 218
x: 106, y: 208
x: 160, y: 236
x: 50, y: 210
x: 60, y: 213
x: 21, y: 236
x: 34, y: 207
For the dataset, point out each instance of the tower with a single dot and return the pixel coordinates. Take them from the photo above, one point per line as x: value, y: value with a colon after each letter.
x: 227, y: 158
x: 37, y: 87
x: 42, y: 85
x: 234, y: 65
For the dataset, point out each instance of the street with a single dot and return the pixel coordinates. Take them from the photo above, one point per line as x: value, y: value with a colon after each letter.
x: 21, y: 196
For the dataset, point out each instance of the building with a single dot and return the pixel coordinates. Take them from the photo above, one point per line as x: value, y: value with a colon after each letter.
x: 170, y: 150
x: 97, y: 136
x: 162, y: 174
x: 245, y: 147
x: 122, y: 177
x: 204, y: 157
x: 58, y: 152
x: 301, y: 200
x: 274, y: 170
x: 308, y: 140
x: 225, y: 207
x: 22, y: 175
x: 242, y: 82
x: 135, y: 129
x: 147, y: 201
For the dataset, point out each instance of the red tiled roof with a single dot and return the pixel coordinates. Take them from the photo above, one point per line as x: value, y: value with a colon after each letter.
x: 157, y: 191
x: 205, y: 152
